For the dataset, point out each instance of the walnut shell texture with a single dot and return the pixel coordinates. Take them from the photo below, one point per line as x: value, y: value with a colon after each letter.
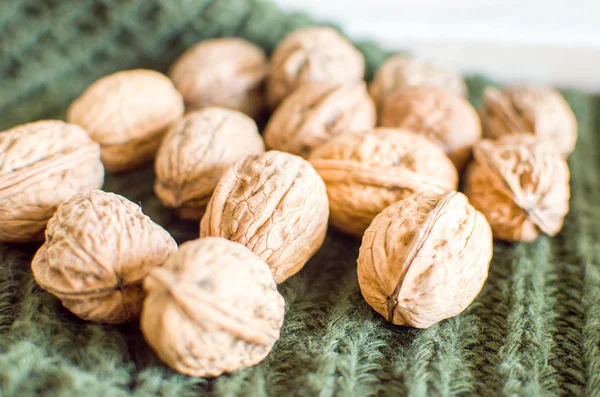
x: 444, y: 117
x: 212, y: 308
x: 224, y: 72
x: 43, y: 164
x: 195, y: 153
x: 127, y: 113
x: 521, y: 184
x: 99, y: 246
x: 425, y: 259
x: 367, y: 171
x: 316, y: 112
x: 276, y: 205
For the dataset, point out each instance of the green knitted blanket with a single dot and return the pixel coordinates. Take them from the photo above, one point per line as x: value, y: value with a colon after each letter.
x: 534, y: 330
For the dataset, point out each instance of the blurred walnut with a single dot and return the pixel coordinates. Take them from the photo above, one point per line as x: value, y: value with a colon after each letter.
x: 127, y: 113
x: 367, y: 171
x: 99, y: 246
x: 445, y: 118
x: 195, y: 153
x: 311, y: 55
x: 43, y: 164
x: 276, y: 205
x: 424, y: 259
x: 212, y: 308
x: 521, y: 184
x: 316, y: 112
x: 535, y: 110
x: 225, y: 72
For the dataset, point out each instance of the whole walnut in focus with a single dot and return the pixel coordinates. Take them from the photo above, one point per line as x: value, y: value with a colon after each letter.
x: 316, y: 112
x: 43, y: 164
x: 535, y: 110
x: 445, y: 118
x: 273, y: 203
x: 367, y: 171
x: 195, y: 153
x: 212, y: 308
x: 424, y: 259
x: 127, y: 113
x: 521, y: 184
x: 99, y: 246
x: 224, y: 72
x: 311, y: 55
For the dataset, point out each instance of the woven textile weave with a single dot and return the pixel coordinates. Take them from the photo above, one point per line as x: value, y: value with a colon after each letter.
x: 534, y: 330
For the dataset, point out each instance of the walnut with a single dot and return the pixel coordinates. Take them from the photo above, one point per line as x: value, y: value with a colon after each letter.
x: 195, y: 153
x: 212, y: 308
x: 424, y: 259
x: 367, y: 171
x: 99, y: 246
x: 127, y: 113
x: 445, y: 118
x: 535, y: 110
x: 273, y: 203
x: 41, y: 165
x: 224, y: 72
x: 521, y: 184
x: 316, y: 112
x: 310, y: 55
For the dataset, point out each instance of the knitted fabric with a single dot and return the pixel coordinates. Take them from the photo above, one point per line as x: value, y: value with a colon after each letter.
x: 534, y: 329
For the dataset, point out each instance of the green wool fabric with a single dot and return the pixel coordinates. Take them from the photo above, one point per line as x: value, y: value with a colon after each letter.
x: 533, y: 331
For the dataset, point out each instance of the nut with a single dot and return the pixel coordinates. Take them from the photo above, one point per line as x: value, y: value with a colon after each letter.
x: 43, y: 164
x: 365, y: 172
x: 521, y: 184
x: 127, y: 113
x: 195, y: 153
x: 99, y: 246
x: 211, y: 308
x: 445, y: 118
x: 273, y: 203
x: 316, y: 112
x: 225, y: 72
x: 311, y: 55
x: 424, y: 259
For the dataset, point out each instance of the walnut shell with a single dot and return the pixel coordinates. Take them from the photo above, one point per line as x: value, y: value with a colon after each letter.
x: 311, y: 55
x: 316, y: 112
x: 424, y: 259
x: 536, y: 110
x: 212, y: 308
x: 224, y: 72
x: 127, y: 113
x: 195, y: 153
x: 99, y: 246
x: 276, y: 205
x: 521, y: 184
x: 445, y: 118
x: 43, y: 164
x: 365, y: 172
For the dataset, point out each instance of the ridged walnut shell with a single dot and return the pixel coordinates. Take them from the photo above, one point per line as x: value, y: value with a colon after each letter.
x: 99, y: 247
x: 127, y: 113
x: 224, y: 72
x: 311, y: 55
x: 316, y: 112
x: 195, y: 153
x: 367, y: 171
x: 446, y: 118
x: 212, y: 308
x: 43, y: 164
x: 536, y: 110
x: 424, y: 259
x: 276, y: 205
x: 521, y: 184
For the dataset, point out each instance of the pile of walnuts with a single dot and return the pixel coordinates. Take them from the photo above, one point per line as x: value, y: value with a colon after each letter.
x: 380, y: 162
